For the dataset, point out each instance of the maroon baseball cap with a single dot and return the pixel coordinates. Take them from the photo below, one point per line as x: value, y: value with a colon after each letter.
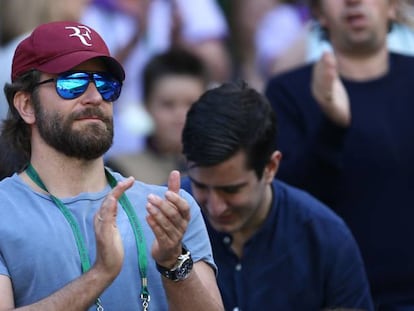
x: 57, y: 47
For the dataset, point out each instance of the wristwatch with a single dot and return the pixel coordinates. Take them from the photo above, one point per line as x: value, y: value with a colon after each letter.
x: 181, y: 269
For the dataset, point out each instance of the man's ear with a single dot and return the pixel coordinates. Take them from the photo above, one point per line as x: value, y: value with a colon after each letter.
x: 23, y: 103
x: 272, y: 166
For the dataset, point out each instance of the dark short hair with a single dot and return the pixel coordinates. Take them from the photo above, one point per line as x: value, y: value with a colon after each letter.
x: 14, y: 130
x: 177, y: 61
x: 230, y: 118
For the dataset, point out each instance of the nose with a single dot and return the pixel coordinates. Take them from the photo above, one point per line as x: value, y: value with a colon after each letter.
x: 92, y: 95
x: 215, y: 204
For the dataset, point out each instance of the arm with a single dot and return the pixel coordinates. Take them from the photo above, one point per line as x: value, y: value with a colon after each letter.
x: 82, y: 292
x: 198, y: 292
x: 169, y: 219
x: 311, y: 144
x: 329, y: 91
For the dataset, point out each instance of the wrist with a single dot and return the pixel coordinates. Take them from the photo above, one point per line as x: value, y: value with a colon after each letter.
x: 181, y: 268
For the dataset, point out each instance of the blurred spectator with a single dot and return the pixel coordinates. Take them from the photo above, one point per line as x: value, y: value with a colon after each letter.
x: 172, y: 82
x: 311, y: 42
x: 244, y: 17
x: 346, y: 135
x: 137, y: 30
x: 276, y: 32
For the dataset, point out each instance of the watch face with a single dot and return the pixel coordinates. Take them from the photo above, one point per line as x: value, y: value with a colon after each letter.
x: 183, y: 271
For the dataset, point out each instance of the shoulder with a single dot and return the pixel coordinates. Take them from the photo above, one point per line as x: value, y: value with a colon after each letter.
x: 141, y: 190
x: 10, y: 187
x: 307, y: 212
x: 289, y: 82
x: 401, y: 60
x: 146, y: 166
x: 301, y: 74
x: 186, y: 184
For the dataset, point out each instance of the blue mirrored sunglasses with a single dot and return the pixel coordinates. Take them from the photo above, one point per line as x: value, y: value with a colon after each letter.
x: 70, y: 85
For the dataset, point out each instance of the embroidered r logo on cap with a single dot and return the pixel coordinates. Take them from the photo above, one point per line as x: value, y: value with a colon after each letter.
x: 83, y: 37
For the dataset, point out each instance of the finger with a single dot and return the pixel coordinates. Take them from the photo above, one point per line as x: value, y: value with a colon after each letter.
x: 167, y: 232
x: 179, y: 203
x: 174, y: 210
x: 174, y: 181
x: 174, y: 207
x: 109, y: 205
x: 121, y: 187
x: 167, y: 207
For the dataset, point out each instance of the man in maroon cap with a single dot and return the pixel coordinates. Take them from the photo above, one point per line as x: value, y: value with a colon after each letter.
x: 75, y: 235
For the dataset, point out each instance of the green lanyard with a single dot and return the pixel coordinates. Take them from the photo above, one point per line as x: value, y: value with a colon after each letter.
x: 83, y: 253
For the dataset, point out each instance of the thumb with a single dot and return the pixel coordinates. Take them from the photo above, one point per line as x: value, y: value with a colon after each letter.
x: 174, y: 182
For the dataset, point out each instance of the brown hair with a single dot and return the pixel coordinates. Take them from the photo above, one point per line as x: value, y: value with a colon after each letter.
x: 14, y: 130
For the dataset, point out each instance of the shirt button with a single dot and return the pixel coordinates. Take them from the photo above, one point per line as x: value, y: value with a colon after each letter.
x: 238, y: 267
x: 236, y: 309
x: 226, y: 240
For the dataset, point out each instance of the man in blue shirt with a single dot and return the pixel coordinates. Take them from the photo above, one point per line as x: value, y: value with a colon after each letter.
x: 276, y: 247
x: 74, y: 235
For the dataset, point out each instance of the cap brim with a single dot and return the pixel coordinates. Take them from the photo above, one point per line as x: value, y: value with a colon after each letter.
x: 66, y: 62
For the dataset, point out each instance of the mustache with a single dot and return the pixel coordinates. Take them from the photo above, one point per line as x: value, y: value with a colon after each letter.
x: 91, y: 112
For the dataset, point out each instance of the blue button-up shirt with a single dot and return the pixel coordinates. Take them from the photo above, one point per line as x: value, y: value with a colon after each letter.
x: 302, y: 258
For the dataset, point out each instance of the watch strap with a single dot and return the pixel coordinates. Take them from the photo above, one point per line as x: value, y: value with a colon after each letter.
x: 181, y: 269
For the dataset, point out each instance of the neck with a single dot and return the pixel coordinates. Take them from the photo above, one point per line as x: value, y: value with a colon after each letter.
x: 64, y: 176
x: 363, y: 67
x: 242, y: 236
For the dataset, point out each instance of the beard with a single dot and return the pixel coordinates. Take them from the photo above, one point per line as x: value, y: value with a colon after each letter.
x: 87, y: 144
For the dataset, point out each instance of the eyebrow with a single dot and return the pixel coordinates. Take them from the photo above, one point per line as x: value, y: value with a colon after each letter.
x: 199, y: 184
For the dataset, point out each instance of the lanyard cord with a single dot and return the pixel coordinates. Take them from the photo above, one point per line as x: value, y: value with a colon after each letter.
x: 83, y: 253
x: 139, y: 240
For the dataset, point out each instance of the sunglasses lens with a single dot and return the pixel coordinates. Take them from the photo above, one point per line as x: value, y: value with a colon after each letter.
x: 107, y: 86
x: 73, y: 85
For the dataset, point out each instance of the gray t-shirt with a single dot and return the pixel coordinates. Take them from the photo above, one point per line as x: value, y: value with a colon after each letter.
x: 39, y: 253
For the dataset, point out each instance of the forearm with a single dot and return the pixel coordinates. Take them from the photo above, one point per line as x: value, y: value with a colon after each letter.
x: 314, y: 161
x: 79, y: 294
x: 192, y: 294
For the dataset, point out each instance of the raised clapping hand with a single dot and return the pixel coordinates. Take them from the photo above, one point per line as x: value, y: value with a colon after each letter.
x: 329, y: 91
x: 168, y: 219
x: 109, y: 248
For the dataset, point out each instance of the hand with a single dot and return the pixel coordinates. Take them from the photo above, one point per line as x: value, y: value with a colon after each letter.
x: 109, y: 248
x: 329, y: 91
x: 168, y: 219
